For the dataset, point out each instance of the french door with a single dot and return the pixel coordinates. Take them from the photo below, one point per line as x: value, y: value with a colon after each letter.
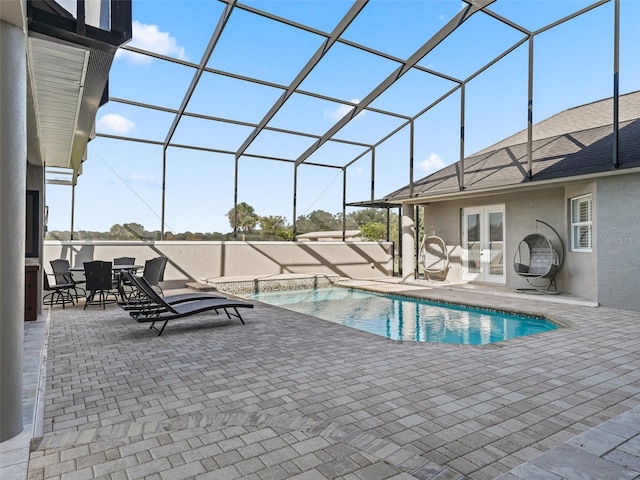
x: 483, y: 244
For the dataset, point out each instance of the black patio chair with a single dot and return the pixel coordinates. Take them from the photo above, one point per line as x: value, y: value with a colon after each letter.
x: 124, y: 261
x: 59, y: 293
x: 124, y: 287
x: 62, y: 274
x: 100, y: 283
x: 154, y: 272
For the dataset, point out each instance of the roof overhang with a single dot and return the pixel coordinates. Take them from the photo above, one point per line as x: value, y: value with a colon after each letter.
x: 504, y: 189
x: 68, y: 71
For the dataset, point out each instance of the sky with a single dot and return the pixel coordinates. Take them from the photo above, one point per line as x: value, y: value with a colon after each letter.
x: 121, y: 181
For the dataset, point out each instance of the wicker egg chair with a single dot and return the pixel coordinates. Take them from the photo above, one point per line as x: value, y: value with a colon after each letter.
x: 538, y: 260
x: 434, y: 257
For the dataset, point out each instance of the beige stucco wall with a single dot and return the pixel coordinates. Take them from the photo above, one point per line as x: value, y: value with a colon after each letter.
x: 580, y: 271
x: 194, y: 261
x: 618, y: 241
x: 521, y: 211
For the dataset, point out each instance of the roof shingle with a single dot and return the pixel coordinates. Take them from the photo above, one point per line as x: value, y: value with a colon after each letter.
x: 578, y: 141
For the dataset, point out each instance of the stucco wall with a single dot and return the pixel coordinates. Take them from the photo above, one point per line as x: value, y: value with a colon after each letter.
x: 521, y: 211
x: 618, y: 241
x: 194, y: 261
x: 580, y: 271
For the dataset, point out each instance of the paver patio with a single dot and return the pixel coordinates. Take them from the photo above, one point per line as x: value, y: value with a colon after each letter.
x: 291, y: 396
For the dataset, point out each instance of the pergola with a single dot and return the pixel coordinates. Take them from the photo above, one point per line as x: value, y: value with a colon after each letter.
x: 404, y: 65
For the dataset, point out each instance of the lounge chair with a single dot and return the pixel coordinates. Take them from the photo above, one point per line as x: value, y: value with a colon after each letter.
x: 161, y: 311
x: 139, y: 304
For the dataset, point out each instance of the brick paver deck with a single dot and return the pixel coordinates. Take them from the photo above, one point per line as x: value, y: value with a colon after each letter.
x: 290, y: 396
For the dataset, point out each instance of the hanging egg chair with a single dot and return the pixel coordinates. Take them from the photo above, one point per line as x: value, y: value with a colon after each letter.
x: 538, y: 260
x: 434, y: 257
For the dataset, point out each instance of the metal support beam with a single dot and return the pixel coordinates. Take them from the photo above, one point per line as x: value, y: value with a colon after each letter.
x: 295, y: 198
x: 417, y: 242
x: 164, y: 191
x: 373, y: 174
x: 399, y: 241
x: 353, y: 12
x: 530, y: 113
x: 616, y: 80
x: 215, y: 37
x: 235, y: 199
x: 73, y: 210
x: 344, y: 204
x: 461, y: 162
x: 388, y: 223
x: 432, y: 43
x: 411, y: 146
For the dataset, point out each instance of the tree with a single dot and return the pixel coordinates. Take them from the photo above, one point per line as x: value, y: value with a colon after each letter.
x: 367, y: 215
x: 275, y: 226
x: 135, y: 231
x: 247, y: 218
x: 373, y: 231
x: 118, y: 232
x: 318, y: 220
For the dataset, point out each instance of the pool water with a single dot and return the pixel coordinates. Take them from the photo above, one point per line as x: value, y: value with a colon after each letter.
x: 402, y: 318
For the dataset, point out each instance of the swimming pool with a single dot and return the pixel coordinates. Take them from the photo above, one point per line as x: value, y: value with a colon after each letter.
x: 408, y: 319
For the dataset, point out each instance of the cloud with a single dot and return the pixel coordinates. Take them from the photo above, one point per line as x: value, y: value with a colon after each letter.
x: 343, y: 110
x: 143, y: 180
x: 432, y: 164
x: 114, y: 123
x: 149, y: 37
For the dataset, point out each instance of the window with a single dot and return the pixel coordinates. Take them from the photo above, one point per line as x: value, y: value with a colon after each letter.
x: 581, y: 224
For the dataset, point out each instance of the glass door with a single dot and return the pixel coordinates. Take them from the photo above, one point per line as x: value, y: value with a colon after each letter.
x: 483, y: 244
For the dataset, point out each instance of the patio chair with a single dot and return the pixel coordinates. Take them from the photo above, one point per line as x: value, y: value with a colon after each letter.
x: 140, y: 304
x: 62, y: 273
x: 124, y: 287
x: 124, y: 261
x: 537, y: 258
x: 434, y: 256
x: 166, y: 312
x: 153, y: 272
x: 100, y: 283
x: 59, y: 293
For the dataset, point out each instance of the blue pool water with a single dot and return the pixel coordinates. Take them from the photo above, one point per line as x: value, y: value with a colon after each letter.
x: 402, y: 318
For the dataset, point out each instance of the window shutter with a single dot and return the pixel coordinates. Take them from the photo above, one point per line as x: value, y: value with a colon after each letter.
x: 584, y: 211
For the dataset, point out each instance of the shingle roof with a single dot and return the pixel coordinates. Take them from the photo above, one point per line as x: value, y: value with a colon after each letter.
x: 578, y: 141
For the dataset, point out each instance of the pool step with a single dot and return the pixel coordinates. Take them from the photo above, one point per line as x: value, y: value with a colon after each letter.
x: 268, y: 283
